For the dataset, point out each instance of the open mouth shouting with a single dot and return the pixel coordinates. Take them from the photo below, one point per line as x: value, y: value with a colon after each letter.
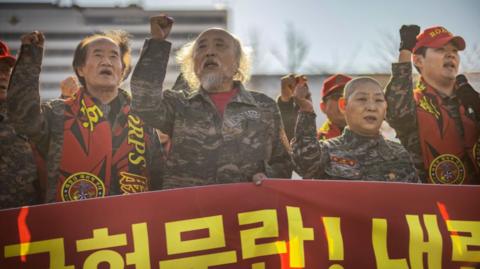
x: 450, y: 65
x: 210, y: 64
x: 106, y: 72
x: 371, y: 119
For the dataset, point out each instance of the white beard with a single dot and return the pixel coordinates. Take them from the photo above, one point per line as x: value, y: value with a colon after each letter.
x: 212, y: 82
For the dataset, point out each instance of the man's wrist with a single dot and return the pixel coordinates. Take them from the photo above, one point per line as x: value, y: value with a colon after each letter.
x: 285, y: 99
x: 306, y: 109
x: 405, y: 56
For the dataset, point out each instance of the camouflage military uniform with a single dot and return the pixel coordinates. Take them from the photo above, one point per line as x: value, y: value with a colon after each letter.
x: 445, y: 153
x: 46, y: 125
x: 349, y: 156
x: 18, y: 173
x: 289, y: 113
x: 207, y: 148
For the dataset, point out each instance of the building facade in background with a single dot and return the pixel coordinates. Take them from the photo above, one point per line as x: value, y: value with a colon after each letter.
x: 64, y: 27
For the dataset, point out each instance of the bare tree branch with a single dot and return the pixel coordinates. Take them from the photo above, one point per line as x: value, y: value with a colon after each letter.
x: 386, y: 51
x: 296, y: 53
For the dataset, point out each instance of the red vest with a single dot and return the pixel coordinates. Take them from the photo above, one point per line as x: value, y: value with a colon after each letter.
x: 448, y: 157
x: 98, y: 160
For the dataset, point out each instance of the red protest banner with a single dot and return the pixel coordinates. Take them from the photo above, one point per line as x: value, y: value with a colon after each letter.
x: 281, y: 224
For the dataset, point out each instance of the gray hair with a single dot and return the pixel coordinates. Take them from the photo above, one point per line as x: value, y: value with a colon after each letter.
x: 353, y: 84
x: 119, y: 37
x: 185, y: 59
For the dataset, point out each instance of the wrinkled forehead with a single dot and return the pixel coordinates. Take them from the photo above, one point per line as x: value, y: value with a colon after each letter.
x: 365, y: 88
x: 102, y: 43
x: 214, y: 34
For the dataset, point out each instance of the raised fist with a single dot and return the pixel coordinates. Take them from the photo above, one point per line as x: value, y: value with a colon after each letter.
x: 288, y: 83
x: 35, y: 38
x: 408, y: 36
x: 69, y: 86
x: 302, y: 96
x: 160, y: 26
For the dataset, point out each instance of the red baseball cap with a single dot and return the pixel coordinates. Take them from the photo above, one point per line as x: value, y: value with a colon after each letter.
x: 333, y: 83
x: 5, y: 54
x: 436, y: 37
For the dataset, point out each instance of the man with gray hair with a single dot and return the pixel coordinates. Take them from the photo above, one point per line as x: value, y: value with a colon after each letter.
x: 361, y: 152
x: 221, y: 132
x: 89, y: 145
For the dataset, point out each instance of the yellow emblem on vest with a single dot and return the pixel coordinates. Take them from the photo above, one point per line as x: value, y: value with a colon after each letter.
x: 82, y: 185
x: 476, y: 153
x: 447, y: 169
x: 427, y: 105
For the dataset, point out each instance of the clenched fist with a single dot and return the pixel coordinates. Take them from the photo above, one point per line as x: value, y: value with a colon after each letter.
x: 35, y: 38
x: 69, y: 86
x: 408, y: 36
x: 302, y: 96
x: 288, y: 85
x: 160, y: 26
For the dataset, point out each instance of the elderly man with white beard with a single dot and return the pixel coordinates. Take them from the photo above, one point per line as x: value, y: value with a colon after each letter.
x: 221, y: 132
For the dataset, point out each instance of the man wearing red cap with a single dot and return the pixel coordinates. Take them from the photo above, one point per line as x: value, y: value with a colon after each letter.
x: 18, y: 172
x: 433, y: 121
x: 332, y: 90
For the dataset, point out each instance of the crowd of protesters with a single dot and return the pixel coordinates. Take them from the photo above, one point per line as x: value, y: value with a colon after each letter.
x: 97, y: 140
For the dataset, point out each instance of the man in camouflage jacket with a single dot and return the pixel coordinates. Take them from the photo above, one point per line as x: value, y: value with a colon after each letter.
x: 360, y: 153
x: 221, y: 132
x: 18, y: 173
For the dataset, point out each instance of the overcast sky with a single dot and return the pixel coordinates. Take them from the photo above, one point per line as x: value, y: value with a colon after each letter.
x: 342, y: 36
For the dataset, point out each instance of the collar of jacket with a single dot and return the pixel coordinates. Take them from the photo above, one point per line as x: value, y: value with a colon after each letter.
x: 423, y: 85
x: 364, y: 141
x: 243, y: 95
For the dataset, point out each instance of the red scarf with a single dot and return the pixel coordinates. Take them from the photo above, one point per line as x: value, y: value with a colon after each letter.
x: 448, y: 157
x: 98, y: 160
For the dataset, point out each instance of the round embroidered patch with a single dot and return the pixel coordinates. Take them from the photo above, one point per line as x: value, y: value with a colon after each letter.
x: 476, y: 153
x: 447, y: 169
x: 83, y: 185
